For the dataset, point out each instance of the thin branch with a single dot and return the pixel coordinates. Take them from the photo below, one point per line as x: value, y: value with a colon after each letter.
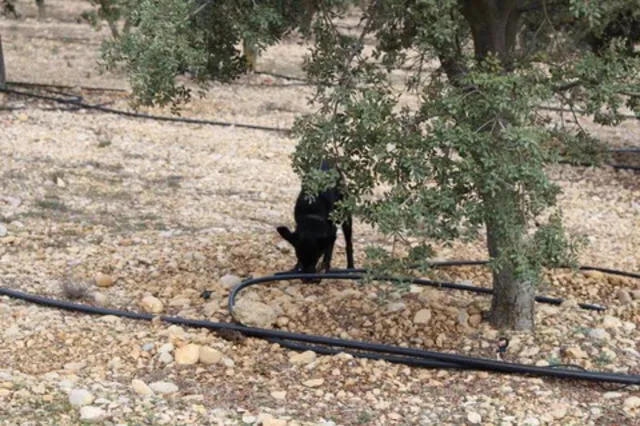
x: 199, y: 9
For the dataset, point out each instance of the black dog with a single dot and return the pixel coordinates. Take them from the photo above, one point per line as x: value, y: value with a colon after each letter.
x: 315, y: 233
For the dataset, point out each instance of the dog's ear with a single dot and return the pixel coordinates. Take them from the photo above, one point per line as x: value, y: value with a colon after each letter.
x: 287, y: 234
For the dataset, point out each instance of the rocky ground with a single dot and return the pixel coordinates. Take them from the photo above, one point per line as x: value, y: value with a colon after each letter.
x: 145, y: 215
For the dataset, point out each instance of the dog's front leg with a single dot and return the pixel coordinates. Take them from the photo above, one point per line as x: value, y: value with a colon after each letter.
x: 328, y: 252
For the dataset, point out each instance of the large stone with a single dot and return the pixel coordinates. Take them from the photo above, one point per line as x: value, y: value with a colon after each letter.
x: 141, y: 388
x: 306, y: 357
x: 423, y: 316
x: 313, y: 383
x: 229, y: 281
x: 187, y: 354
x: 599, y: 334
x: 632, y: 404
x: 104, y: 280
x: 151, y: 304
x: 90, y: 414
x: 80, y: 397
x: 623, y: 296
x: 208, y: 355
x: 396, y: 307
x: 164, y: 388
x: 474, y: 418
x: 256, y: 314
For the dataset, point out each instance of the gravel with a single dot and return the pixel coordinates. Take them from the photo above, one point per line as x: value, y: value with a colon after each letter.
x: 165, y: 211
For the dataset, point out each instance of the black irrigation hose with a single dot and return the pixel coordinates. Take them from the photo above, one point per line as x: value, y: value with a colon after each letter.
x: 147, y: 116
x: 359, y: 274
x: 445, y: 263
x: 63, y: 86
x: 460, y: 361
x: 412, y: 361
x: 102, y: 108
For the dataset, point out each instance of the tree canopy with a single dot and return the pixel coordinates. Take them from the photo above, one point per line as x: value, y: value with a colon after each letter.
x: 462, y: 147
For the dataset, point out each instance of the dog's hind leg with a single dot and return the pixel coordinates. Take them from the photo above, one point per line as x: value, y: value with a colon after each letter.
x: 328, y: 253
x: 347, y: 231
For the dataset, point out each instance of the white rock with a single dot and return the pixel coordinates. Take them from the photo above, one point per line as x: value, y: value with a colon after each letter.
x: 531, y: 421
x: 151, y: 304
x: 141, y: 387
x: 209, y: 355
x: 165, y: 358
x: 249, y: 419
x: 187, y: 354
x: 599, y: 334
x: 423, y: 316
x: 166, y: 348
x: 306, y: 357
x: 474, y: 418
x: 80, y: 397
x: 313, y: 383
x: 90, y: 414
x: 256, y: 314
x: 164, y: 387
x: 229, y: 281
x: 100, y: 298
x: 3, y: 230
x: 396, y: 307
x: 632, y: 403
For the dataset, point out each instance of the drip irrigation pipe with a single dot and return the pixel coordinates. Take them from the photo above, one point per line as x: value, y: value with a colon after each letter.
x: 62, y: 86
x: 445, y: 263
x: 286, y: 131
x: 461, y: 361
x: 147, y: 116
x: 359, y: 274
x: 411, y: 361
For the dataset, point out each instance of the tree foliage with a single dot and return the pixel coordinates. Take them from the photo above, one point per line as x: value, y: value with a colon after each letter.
x: 462, y: 147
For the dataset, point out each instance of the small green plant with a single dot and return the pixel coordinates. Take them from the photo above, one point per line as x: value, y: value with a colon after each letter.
x: 553, y: 359
x: 364, y: 417
x: 603, y: 359
x: 52, y: 203
x: 581, y: 330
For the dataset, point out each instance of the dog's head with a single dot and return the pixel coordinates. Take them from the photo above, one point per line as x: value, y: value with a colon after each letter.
x: 309, y: 248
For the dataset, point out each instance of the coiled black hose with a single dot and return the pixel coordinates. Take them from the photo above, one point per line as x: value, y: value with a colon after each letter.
x: 328, y: 345
x: 390, y: 353
x: 359, y: 274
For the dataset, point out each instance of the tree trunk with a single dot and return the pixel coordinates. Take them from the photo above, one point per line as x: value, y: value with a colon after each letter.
x: 250, y: 53
x: 42, y: 13
x: 3, y: 75
x: 512, y: 304
x: 494, y: 26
